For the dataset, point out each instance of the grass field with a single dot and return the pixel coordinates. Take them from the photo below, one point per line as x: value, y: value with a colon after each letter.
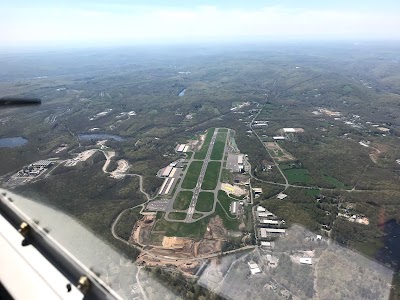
x: 193, y: 230
x: 203, y: 151
x: 224, y: 200
x: 211, y: 177
x: 228, y: 223
x: 182, y: 200
x: 226, y: 176
x: 196, y: 215
x: 297, y: 175
x: 192, y: 175
x: 177, y: 215
x: 312, y: 192
x: 219, y: 146
x: 337, y: 183
x: 205, y: 201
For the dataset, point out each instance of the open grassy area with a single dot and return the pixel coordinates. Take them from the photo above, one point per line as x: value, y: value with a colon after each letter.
x: 219, y: 146
x: 193, y: 230
x: 182, y: 200
x: 205, y: 201
x: 297, y: 175
x: 177, y: 215
x: 337, y: 183
x: 211, y: 177
x: 226, y: 176
x: 196, y: 215
x: 224, y: 200
x: 203, y: 151
x: 312, y: 192
x: 192, y: 175
x: 228, y: 223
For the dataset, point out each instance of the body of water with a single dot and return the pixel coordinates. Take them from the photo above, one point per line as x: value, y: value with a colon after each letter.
x: 99, y: 136
x: 12, y: 142
x: 182, y: 93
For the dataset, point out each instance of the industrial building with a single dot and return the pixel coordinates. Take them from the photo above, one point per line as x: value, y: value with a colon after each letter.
x: 289, y: 130
x: 281, y: 196
x: 166, y: 186
x: 269, y: 222
x: 257, y: 191
x: 254, y: 269
x: 234, y: 207
x: 182, y: 148
x: 167, y: 170
x: 261, y: 209
x: 268, y: 232
x: 267, y: 245
x: 278, y: 138
x: 305, y: 261
x: 266, y: 214
x: 35, y: 169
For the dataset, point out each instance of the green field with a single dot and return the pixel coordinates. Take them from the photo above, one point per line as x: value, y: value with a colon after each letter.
x: 182, y: 200
x: 193, y: 230
x: 297, y: 175
x: 224, y: 200
x: 228, y: 223
x: 177, y: 215
x: 192, y: 175
x: 211, y: 177
x: 219, y: 146
x: 312, y: 192
x: 205, y: 202
x: 337, y: 183
x: 223, y: 130
x: 203, y: 151
x: 196, y: 215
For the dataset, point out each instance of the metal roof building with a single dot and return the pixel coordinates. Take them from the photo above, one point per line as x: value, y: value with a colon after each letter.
x: 265, y: 232
x: 166, y: 171
x: 181, y: 147
x: 306, y: 261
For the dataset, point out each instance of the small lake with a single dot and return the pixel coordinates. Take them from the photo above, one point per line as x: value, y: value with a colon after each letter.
x: 182, y: 93
x: 390, y: 253
x: 99, y: 136
x: 12, y: 142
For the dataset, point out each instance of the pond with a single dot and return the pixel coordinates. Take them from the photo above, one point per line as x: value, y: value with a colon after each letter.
x: 12, y: 142
x: 182, y: 93
x: 99, y: 136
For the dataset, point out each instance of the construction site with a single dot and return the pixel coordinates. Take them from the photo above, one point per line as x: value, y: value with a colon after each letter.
x: 184, y: 253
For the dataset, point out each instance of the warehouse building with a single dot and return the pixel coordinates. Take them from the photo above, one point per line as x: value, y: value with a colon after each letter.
x: 268, y: 232
x: 167, y: 170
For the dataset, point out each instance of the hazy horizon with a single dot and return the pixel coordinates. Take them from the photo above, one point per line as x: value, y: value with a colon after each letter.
x: 100, y: 23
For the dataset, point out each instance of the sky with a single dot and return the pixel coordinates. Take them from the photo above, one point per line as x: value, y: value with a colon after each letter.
x: 95, y: 22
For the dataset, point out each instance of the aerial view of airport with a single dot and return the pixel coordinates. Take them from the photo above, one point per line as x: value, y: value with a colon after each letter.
x: 240, y: 174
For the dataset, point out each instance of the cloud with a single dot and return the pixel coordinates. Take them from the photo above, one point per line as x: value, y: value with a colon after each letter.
x: 138, y: 24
